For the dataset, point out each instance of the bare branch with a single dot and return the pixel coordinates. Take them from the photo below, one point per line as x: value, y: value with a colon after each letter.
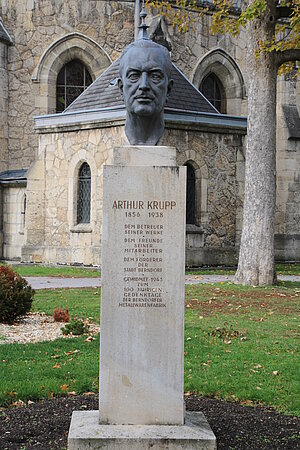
x: 287, y: 55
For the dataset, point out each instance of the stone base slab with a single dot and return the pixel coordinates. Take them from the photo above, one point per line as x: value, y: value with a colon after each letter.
x: 86, y: 433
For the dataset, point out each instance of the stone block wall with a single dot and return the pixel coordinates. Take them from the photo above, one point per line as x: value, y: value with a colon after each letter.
x: 13, y: 221
x: 34, y: 26
x: 287, y: 217
x: 212, y: 240
x: 3, y: 107
x: 190, y: 49
x: 52, y: 235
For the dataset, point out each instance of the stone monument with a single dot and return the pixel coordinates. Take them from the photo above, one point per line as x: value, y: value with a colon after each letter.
x: 142, y: 297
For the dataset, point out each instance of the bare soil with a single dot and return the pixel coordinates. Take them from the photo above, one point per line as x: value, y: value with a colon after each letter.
x: 44, y: 425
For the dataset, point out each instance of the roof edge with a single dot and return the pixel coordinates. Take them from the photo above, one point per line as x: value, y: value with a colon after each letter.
x: 13, y: 177
x: 106, y: 117
x: 7, y: 39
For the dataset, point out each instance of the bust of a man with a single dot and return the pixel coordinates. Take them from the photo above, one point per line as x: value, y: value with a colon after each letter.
x: 145, y: 82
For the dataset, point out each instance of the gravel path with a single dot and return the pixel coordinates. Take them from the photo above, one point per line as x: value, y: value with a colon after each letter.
x: 55, y: 283
x: 36, y: 327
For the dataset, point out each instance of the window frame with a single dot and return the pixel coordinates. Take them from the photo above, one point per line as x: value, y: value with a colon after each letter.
x: 217, y: 87
x: 81, y: 215
x: 67, y: 85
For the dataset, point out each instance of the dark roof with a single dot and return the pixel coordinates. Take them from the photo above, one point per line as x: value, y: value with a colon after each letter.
x: 4, y: 36
x: 13, y: 176
x: 292, y: 119
x: 104, y: 93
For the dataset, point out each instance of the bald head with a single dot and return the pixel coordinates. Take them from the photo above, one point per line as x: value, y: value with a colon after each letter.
x: 145, y: 82
x: 144, y: 44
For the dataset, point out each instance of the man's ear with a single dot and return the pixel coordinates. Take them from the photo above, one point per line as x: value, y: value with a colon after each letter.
x: 170, y: 85
x: 120, y: 86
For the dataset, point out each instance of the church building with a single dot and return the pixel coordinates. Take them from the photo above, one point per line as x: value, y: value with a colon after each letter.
x: 61, y: 115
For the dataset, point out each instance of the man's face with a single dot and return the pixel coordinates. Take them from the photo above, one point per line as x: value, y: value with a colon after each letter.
x: 144, y: 83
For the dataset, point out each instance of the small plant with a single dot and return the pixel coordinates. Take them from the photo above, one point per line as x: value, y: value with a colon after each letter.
x: 76, y: 327
x: 16, y: 295
x: 227, y: 333
x: 61, y: 315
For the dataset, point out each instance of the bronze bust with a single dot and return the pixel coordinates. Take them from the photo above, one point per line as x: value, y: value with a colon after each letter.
x: 145, y: 82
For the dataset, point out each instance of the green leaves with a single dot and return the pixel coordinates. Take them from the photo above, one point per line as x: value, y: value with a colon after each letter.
x: 226, y: 18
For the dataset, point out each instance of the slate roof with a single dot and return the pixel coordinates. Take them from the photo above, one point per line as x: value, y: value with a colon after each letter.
x: 292, y: 119
x: 104, y: 93
x: 13, y: 176
x: 4, y: 36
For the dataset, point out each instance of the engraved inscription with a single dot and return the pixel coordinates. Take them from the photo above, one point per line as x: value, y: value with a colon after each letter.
x: 143, y: 251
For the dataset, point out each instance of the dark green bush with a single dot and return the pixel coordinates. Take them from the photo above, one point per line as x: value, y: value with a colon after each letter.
x: 15, y: 295
x: 75, y: 327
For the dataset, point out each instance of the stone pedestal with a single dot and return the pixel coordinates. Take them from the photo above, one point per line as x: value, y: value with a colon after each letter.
x: 86, y: 433
x: 142, y: 310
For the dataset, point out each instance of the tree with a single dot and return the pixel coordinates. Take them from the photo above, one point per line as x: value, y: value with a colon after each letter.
x: 273, y: 40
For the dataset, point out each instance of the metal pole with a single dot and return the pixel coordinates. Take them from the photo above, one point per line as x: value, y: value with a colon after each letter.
x: 137, y: 18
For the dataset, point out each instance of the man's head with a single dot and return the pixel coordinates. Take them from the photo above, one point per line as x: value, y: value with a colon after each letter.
x: 145, y: 71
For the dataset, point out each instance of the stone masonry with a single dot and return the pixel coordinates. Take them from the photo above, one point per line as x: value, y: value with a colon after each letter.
x: 46, y: 34
x: 52, y: 234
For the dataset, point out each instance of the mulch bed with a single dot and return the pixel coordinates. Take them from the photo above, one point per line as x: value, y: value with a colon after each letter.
x: 44, y: 425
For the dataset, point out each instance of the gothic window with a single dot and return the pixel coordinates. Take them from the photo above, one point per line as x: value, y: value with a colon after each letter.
x: 84, y: 194
x: 190, y: 195
x: 23, y: 211
x: 212, y: 88
x: 72, y: 80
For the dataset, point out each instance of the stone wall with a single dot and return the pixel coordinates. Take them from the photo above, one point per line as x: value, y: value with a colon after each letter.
x: 3, y: 107
x: 287, y: 217
x: 214, y: 156
x: 13, y: 221
x: 52, y: 235
x: 34, y: 26
x: 48, y: 33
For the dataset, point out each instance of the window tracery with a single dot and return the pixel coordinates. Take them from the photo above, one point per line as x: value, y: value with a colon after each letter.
x: 72, y: 80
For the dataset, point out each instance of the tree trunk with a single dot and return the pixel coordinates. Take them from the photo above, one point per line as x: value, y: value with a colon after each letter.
x: 256, y: 258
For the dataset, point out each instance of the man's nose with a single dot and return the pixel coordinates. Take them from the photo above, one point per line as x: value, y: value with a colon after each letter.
x: 144, y: 84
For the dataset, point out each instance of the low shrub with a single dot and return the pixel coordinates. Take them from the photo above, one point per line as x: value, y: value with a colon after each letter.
x: 16, y: 295
x: 61, y: 315
x: 76, y: 327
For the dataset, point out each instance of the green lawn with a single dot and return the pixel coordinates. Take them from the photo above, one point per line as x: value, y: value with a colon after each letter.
x: 240, y: 344
x: 281, y: 269
x: 36, y: 270
x: 84, y: 303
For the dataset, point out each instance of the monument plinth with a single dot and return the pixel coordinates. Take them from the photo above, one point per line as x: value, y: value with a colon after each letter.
x: 142, y: 311
x: 142, y: 301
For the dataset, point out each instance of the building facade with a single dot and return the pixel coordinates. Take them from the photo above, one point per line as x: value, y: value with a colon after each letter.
x: 50, y: 52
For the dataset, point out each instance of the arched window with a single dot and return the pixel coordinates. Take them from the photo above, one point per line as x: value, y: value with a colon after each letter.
x: 23, y: 212
x: 84, y: 194
x: 72, y: 80
x: 212, y: 88
x: 190, y: 195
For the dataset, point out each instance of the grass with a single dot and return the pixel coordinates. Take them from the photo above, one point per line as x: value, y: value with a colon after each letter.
x: 281, y: 269
x: 84, y: 303
x: 36, y: 270
x: 288, y: 269
x: 240, y: 344
x: 48, y: 271
x: 45, y: 369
